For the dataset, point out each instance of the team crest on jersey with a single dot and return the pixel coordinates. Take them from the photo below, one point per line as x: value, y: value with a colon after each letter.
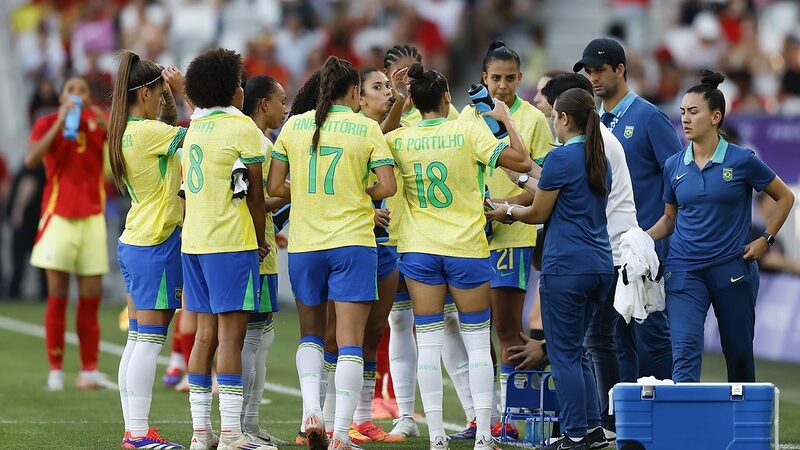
x: 178, y: 293
x: 628, y: 132
x: 727, y: 173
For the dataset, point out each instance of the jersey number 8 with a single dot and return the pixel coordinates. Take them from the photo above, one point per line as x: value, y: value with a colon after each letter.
x: 194, y: 177
x: 437, y: 181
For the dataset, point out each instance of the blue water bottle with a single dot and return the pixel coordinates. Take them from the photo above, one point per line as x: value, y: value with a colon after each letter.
x: 72, y: 121
x: 483, y: 103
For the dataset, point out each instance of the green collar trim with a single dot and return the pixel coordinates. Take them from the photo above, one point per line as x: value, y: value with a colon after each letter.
x: 135, y: 119
x: 717, y: 158
x: 515, y: 106
x: 576, y: 139
x: 431, y: 122
x: 340, y: 108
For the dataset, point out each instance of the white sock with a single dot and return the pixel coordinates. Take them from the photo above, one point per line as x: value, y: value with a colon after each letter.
x: 122, y: 374
x: 456, y: 362
x: 309, y: 369
x: 328, y: 390
x: 250, y: 422
x: 176, y: 361
x: 230, y: 404
x: 349, y: 379
x: 252, y: 342
x: 364, y: 409
x: 505, y: 371
x: 430, y: 338
x: 403, y: 357
x: 477, y: 339
x: 141, y: 373
x: 200, y: 402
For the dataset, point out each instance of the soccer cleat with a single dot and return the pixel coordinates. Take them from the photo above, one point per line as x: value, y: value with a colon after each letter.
x: 267, y: 438
x: 611, y: 436
x: 405, y: 427
x: 377, y: 434
x: 439, y: 443
x: 300, y: 439
x: 482, y: 444
x: 355, y: 436
x: 565, y: 443
x: 245, y: 441
x: 204, y: 441
x: 94, y: 379
x: 152, y: 440
x: 467, y: 434
x: 511, y: 432
x: 379, y: 411
x: 183, y: 385
x: 597, y: 438
x: 55, y: 381
x: 125, y: 436
x: 172, y: 377
x: 338, y: 444
x: 316, y: 438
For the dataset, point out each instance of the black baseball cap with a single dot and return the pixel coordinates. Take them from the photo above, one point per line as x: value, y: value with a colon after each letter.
x: 599, y: 52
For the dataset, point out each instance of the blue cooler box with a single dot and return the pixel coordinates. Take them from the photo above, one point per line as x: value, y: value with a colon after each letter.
x: 708, y: 416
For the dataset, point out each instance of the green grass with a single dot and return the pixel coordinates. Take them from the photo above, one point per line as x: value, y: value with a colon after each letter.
x: 33, y: 418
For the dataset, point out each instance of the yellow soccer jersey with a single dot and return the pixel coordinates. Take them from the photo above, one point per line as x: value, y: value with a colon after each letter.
x: 269, y: 265
x: 330, y: 207
x: 442, y: 165
x: 153, y: 180
x: 535, y: 132
x: 214, y: 223
x: 413, y: 116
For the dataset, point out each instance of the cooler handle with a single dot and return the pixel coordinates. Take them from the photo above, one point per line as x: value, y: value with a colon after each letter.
x: 648, y: 392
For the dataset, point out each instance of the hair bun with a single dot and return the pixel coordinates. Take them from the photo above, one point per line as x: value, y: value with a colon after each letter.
x: 496, y: 45
x: 416, y: 71
x: 711, y: 78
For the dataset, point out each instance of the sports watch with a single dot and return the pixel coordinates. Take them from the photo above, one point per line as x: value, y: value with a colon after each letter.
x: 770, y: 238
x: 522, y: 180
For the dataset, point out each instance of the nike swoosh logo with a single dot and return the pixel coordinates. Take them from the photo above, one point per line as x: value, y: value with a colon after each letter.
x: 502, y: 275
x: 680, y: 176
x: 734, y: 280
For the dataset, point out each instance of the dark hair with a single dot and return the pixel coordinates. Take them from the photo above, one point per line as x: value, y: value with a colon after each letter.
x: 306, y: 98
x: 579, y: 105
x: 337, y: 77
x: 398, y: 52
x: 256, y: 88
x: 498, y: 50
x: 560, y: 83
x: 707, y: 88
x: 554, y: 73
x: 133, y: 74
x: 363, y: 74
x: 427, y: 88
x: 213, y: 77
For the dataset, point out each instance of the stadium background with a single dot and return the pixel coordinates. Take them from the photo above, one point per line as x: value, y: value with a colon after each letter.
x: 755, y: 43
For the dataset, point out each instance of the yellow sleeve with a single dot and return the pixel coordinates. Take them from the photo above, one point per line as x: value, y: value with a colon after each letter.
x: 279, y: 150
x: 483, y: 144
x: 453, y: 113
x: 251, y: 147
x: 381, y: 156
x: 542, y: 141
x: 164, y: 139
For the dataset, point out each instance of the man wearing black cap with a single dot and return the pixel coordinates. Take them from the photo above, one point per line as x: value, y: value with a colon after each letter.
x: 648, y: 139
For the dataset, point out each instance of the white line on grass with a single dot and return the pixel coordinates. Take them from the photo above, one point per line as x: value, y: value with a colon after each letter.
x: 21, y: 327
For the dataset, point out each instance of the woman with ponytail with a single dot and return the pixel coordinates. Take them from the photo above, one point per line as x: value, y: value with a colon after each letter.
x: 143, y: 141
x: 708, y: 191
x: 442, y: 244
x: 577, y: 266
x: 332, y: 255
x: 512, y: 245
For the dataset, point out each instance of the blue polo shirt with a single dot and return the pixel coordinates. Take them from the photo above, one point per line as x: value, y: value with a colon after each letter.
x: 714, y: 205
x: 576, y: 242
x: 648, y: 139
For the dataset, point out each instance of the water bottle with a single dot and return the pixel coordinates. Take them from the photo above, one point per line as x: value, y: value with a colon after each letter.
x: 484, y: 103
x: 381, y: 233
x: 488, y: 205
x: 72, y: 121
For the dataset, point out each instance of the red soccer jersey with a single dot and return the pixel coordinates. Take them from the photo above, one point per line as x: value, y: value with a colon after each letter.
x: 74, y: 169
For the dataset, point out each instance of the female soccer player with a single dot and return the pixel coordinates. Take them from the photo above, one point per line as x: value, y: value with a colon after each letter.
x: 577, y: 267
x: 222, y: 242
x: 72, y: 229
x: 265, y: 103
x: 708, y: 194
x: 442, y: 163
x: 332, y: 252
x: 143, y: 159
x: 511, y: 246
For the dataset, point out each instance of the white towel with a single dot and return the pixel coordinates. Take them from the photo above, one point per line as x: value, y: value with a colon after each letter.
x: 640, y: 289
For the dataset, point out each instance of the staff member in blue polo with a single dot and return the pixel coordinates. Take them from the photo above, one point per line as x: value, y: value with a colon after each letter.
x: 577, y: 266
x: 708, y: 191
x: 648, y: 139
